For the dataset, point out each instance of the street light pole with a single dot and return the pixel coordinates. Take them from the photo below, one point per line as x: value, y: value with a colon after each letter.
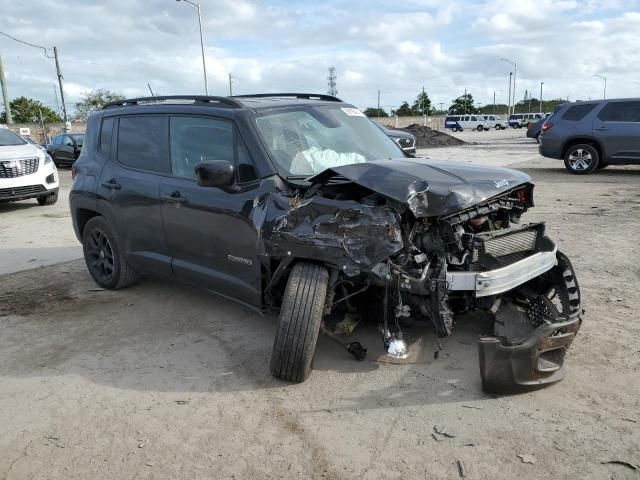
x: 515, y: 74
x: 541, y: 84
x: 204, y: 65
x: 604, y: 92
x: 509, y: 101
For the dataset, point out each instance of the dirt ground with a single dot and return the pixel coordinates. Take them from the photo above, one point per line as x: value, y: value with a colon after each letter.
x: 164, y: 381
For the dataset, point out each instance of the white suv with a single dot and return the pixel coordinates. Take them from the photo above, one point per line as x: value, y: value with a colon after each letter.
x: 25, y: 171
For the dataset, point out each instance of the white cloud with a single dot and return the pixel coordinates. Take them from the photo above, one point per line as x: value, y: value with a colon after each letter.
x: 396, y: 47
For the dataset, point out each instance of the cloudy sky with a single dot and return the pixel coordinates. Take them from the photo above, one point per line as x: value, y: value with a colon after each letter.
x: 277, y: 45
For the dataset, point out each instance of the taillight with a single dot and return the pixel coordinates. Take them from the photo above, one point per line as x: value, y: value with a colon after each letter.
x: 74, y: 172
x: 547, y: 126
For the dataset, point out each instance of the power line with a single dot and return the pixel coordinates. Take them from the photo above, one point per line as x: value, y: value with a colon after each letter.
x: 27, y: 43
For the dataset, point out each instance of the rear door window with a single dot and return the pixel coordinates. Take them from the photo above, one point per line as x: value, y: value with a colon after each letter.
x: 620, y: 112
x: 576, y: 113
x: 143, y: 142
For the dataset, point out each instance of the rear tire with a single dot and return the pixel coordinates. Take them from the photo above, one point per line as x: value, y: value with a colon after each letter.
x: 48, y: 199
x: 497, y: 127
x: 105, y: 261
x: 537, y: 137
x: 581, y: 159
x: 479, y: 128
x: 299, y: 323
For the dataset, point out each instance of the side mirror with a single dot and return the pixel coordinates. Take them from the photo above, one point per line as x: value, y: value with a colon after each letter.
x: 215, y: 173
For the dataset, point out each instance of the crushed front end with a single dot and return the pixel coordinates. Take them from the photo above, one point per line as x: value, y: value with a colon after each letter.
x: 483, y: 259
x: 437, y: 250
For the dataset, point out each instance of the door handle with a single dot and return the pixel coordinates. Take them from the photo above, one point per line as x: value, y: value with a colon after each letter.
x: 602, y: 129
x: 175, y: 197
x: 111, y: 184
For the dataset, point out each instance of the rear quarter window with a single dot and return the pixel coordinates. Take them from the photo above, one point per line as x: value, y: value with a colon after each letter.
x: 620, y: 112
x: 576, y: 113
x: 106, y: 133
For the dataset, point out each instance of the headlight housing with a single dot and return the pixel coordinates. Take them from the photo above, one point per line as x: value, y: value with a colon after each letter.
x: 47, y: 158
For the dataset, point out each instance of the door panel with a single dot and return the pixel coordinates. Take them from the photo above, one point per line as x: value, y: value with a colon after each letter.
x: 617, y: 127
x: 132, y: 195
x: 210, y: 232
x: 212, y: 238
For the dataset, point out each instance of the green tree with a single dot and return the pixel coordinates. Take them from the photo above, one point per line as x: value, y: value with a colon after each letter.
x: 498, y: 108
x: 422, y: 105
x: 375, y: 112
x: 95, y: 100
x: 463, y: 105
x: 405, y: 110
x: 27, y: 110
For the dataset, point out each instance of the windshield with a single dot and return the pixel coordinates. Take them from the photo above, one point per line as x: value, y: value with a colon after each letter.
x: 310, y: 139
x: 7, y: 138
x: 79, y: 138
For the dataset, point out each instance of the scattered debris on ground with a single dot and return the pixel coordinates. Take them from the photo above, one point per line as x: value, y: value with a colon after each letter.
x: 623, y: 463
x: 461, y: 470
x: 441, y: 432
x: 429, y: 138
x: 527, y: 458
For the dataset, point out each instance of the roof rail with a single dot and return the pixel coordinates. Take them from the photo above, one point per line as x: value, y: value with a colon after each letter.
x: 303, y: 96
x: 201, y: 99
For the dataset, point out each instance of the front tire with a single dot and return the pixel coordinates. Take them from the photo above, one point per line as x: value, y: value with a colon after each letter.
x: 48, y: 199
x: 479, y: 128
x: 299, y: 323
x: 581, y: 159
x: 105, y: 261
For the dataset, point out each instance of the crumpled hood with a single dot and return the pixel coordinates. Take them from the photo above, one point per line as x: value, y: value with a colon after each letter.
x: 429, y: 188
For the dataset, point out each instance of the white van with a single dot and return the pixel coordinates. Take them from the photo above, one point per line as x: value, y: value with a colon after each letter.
x: 25, y: 171
x: 458, y: 123
x: 496, y: 121
x: 519, y: 120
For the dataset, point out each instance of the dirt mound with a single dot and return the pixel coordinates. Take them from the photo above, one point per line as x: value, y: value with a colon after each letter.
x: 429, y: 138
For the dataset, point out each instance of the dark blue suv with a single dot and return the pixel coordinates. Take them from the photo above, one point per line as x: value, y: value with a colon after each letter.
x: 592, y: 135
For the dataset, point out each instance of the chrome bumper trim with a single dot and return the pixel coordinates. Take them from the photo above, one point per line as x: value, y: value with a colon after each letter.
x: 503, y: 279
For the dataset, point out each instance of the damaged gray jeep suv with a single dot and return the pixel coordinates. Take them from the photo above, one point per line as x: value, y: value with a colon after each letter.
x: 297, y: 204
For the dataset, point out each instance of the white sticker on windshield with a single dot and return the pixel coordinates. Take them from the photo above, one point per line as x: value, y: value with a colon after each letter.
x: 353, y: 112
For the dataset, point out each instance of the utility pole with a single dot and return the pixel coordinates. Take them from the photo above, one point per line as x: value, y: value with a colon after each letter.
x: 230, y: 82
x: 59, y: 74
x: 541, y: 84
x: 55, y: 95
x: 424, y: 115
x: 378, y: 103
x: 494, y: 102
x: 5, y: 95
x: 464, y: 101
x: 333, y: 89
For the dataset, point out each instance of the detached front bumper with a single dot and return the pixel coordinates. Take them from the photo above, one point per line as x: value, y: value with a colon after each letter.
x: 512, y: 360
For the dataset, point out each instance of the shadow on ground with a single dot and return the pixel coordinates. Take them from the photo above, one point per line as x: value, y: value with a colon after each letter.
x: 162, y: 336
